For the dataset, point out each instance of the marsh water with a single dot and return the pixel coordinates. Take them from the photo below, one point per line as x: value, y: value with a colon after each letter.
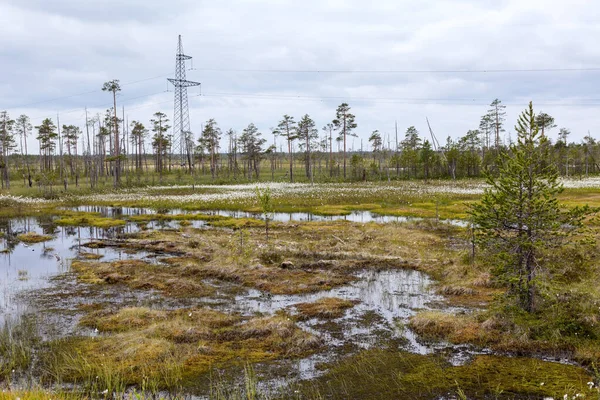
x: 25, y: 267
x: 385, y: 299
x: 354, y: 216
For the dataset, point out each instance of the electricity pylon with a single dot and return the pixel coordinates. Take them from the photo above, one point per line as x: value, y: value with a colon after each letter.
x: 183, y: 141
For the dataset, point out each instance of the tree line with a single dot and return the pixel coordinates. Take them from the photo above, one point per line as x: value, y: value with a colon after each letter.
x: 109, y: 147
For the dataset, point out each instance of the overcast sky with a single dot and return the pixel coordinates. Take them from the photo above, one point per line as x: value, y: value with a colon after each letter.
x: 260, y: 59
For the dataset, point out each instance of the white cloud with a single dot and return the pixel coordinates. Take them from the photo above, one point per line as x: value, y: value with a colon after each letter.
x: 51, y: 50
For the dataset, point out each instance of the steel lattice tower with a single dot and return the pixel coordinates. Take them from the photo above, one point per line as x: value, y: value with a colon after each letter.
x: 182, y: 135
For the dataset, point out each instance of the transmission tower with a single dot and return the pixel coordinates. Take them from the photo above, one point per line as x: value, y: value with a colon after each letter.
x: 182, y: 136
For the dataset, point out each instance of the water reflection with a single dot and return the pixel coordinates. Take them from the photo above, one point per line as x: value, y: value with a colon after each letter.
x: 355, y: 216
x: 26, y: 266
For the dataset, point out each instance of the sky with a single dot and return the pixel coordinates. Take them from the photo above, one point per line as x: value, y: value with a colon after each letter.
x: 391, y: 60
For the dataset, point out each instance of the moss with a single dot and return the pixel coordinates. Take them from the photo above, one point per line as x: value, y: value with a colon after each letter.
x: 175, y: 217
x: 326, y: 308
x: 88, y: 219
x: 238, y: 223
x: 32, y: 237
x: 455, y: 210
x: 90, y: 256
x: 381, y: 374
x: 344, y: 209
x: 331, y: 210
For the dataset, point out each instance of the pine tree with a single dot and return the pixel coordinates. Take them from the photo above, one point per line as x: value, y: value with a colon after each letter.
x: 426, y: 156
x: 377, y: 145
x: 308, y: 133
x: 287, y: 129
x: 138, y: 135
x: 410, y: 149
x: 328, y: 129
x: 114, y: 87
x: 544, y: 122
x: 344, y: 123
x: 24, y: 128
x: 7, y: 143
x: 496, y: 118
x: 210, y: 139
x: 251, y: 145
x: 519, y: 217
x: 71, y: 134
x: 47, y: 137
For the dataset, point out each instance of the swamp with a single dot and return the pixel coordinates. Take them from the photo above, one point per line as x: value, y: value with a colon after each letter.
x: 360, y: 290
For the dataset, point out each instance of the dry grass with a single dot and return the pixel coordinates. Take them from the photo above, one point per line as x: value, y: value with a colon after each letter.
x: 499, y: 334
x: 138, y: 274
x: 138, y: 342
x: 37, y: 395
x: 326, y: 308
x: 324, y: 254
x: 436, y: 325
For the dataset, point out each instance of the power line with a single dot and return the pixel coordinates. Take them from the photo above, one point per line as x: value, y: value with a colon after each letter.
x: 378, y: 100
x: 89, y: 92
x: 125, y: 100
x: 403, y: 71
x: 331, y: 71
x: 392, y: 100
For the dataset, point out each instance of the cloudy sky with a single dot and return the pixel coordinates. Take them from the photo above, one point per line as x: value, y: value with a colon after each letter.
x: 391, y: 60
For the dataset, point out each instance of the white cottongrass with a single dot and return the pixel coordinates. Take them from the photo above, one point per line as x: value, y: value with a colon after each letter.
x: 23, y: 200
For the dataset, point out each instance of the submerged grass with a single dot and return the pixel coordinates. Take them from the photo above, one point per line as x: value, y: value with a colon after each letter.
x: 389, y: 374
x: 18, y: 339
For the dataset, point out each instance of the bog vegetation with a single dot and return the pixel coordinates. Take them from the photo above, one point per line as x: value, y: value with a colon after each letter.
x: 515, y: 266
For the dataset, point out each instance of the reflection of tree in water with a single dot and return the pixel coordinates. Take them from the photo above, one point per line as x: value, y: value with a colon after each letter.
x: 46, y: 222
x: 8, y: 236
x: 70, y: 230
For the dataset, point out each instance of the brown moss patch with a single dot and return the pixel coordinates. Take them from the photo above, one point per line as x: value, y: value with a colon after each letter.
x: 272, y: 279
x: 32, y: 237
x: 90, y: 256
x: 138, y: 274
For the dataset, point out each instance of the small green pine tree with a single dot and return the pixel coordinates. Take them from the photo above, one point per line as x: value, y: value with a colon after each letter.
x: 266, y: 205
x: 519, y: 216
